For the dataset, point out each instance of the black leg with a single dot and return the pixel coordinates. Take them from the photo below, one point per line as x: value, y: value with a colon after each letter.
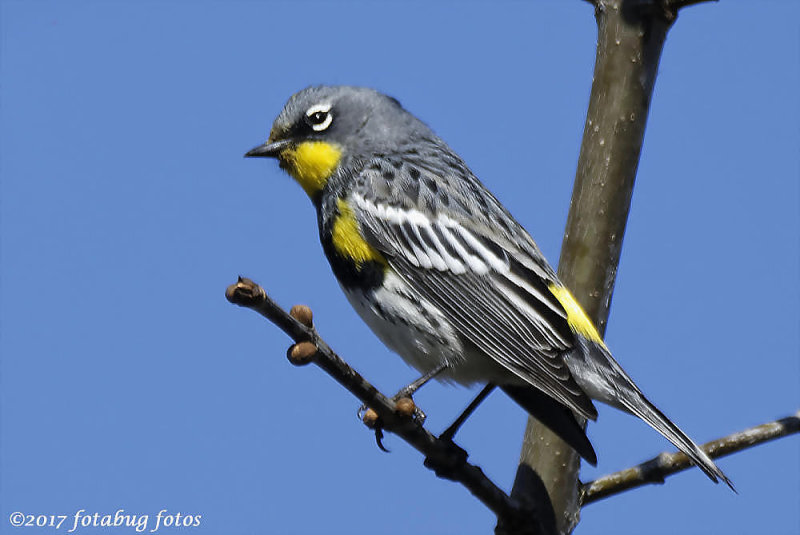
x: 409, y: 390
x: 450, y: 432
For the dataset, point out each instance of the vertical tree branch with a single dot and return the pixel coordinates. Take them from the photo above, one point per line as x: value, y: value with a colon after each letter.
x: 630, y: 39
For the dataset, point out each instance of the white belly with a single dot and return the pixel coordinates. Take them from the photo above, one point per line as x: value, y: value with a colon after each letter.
x: 416, y: 330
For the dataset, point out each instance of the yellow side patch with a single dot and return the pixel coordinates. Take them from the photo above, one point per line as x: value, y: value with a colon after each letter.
x: 347, y: 239
x: 578, y: 321
x: 312, y: 163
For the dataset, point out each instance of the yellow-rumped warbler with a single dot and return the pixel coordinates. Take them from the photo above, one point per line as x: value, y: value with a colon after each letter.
x: 441, y: 271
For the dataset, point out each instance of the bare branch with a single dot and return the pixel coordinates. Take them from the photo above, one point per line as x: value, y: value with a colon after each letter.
x: 630, y: 40
x: 631, y: 34
x: 444, y: 457
x: 657, y: 469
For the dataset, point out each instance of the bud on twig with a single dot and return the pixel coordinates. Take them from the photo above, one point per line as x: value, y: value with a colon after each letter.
x: 302, y: 314
x: 302, y: 353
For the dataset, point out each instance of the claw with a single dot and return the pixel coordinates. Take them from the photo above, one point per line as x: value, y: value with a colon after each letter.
x: 420, y: 416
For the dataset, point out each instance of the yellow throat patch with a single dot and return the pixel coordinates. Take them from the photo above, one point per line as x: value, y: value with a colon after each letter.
x: 577, y: 319
x: 347, y: 239
x: 312, y: 163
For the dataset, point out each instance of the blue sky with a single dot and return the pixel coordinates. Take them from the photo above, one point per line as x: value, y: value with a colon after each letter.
x: 126, y: 208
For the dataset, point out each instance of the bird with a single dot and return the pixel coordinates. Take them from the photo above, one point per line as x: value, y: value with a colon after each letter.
x: 441, y: 271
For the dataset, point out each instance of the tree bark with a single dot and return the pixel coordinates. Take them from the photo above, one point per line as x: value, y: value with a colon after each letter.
x: 630, y: 39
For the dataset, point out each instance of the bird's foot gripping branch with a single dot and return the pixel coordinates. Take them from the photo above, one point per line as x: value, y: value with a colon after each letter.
x: 442, y: 455
x: 519, y: 513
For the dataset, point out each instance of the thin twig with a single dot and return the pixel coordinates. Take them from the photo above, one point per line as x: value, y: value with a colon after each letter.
x: 657, y: 469
x: 444, y: 457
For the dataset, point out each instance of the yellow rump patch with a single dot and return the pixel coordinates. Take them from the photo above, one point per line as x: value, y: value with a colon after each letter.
x: 578, y: 321
x: 312, y: 163
x: 347, y: 239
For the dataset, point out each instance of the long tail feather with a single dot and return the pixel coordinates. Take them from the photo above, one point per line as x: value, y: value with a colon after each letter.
x: 641, y: 407
x: 600, y: 376
x: 555, y: 416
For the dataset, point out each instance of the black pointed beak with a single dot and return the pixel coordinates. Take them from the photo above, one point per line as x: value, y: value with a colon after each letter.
x: 268, y: 150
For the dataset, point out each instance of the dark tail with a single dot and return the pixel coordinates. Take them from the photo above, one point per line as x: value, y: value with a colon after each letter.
x: 555, y: 416
x: 604, y: 380
x: 641, y: 407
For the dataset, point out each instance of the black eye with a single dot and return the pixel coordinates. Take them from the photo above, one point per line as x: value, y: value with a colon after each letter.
x: 319, y: 117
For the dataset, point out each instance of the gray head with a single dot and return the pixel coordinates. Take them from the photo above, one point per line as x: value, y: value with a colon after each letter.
x: 358, y: 120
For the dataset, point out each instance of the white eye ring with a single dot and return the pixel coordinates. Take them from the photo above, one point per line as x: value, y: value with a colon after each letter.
x: 320, y: 110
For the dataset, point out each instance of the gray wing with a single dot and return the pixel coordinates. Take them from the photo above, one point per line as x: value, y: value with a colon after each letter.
x: 494, y: 292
